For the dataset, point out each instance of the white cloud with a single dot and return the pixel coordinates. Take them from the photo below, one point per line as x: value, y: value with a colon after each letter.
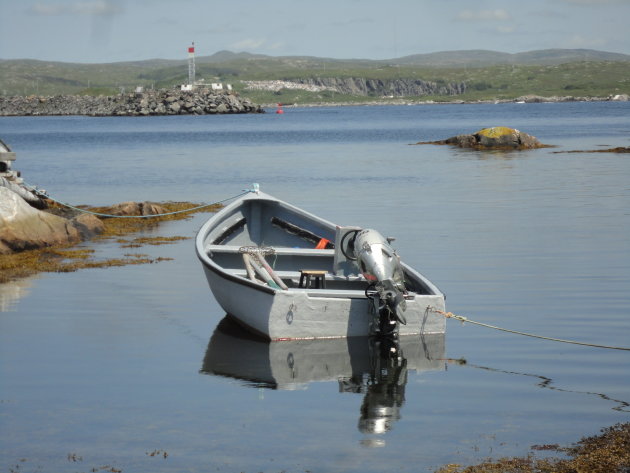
x: 597, y: 2
x: 249, y: 44
x: 578, y: 41
x: 94, y: 7
x: 484, y: 15
x: 505, y: 29
x: 256, y: 45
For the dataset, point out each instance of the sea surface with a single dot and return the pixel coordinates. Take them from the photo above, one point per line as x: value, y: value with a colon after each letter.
x: 135, y: 369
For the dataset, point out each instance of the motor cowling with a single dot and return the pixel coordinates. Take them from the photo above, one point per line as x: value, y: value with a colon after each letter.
x: 379, y: 264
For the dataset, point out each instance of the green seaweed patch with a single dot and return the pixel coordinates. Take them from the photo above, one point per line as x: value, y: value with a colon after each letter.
x: 61, y: 260
x: 496, y: 132
x: 608, y: 452
x: 619, y: 149
x: 155, y: 241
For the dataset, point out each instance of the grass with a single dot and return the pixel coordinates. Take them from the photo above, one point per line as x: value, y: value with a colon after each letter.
x: 503, y: 82
x: 506, y: 81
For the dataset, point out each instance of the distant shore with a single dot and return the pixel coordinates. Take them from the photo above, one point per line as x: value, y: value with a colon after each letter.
x: 205, y: 101
x: 403, y: 101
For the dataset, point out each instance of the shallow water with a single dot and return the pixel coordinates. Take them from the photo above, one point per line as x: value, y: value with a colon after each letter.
x: 111, y: 365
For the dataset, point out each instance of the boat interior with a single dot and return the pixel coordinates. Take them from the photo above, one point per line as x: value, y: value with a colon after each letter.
x: 302, y: 250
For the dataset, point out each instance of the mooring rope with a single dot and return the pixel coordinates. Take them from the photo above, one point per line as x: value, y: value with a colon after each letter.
x: 99, y: 214
x: 450, y: 315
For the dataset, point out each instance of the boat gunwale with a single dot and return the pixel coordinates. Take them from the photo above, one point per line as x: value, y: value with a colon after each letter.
x: 202, y: 249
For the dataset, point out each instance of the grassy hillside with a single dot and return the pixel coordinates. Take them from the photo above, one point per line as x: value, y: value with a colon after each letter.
x: 487, y: 74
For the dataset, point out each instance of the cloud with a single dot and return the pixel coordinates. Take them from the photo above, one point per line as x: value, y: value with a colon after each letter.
x: 92, y: 8
x: 256, y: 45
x: 250, y: 44
x: 579, y: 42
x: 505, y: 29
x: 597, y: 2
x: 484, y: 15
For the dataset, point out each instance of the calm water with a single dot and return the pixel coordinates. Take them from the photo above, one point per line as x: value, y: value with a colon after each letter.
x: 106, y: 367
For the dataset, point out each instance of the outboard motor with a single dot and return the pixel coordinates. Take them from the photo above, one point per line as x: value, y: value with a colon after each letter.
x: 379, y: 264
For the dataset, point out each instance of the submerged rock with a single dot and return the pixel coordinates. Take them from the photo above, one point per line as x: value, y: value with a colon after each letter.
x: 498, y: 137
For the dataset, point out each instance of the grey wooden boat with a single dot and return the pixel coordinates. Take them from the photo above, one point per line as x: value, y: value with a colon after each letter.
x: 287, y: 274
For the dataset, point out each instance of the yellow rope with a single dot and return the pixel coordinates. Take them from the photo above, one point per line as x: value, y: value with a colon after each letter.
x: 450, y: 315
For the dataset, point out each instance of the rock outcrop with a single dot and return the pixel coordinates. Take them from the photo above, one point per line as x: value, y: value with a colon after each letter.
x: 23, y: 227
x: 136, y: 208
x: 158, y: 102
x: 498, y: 137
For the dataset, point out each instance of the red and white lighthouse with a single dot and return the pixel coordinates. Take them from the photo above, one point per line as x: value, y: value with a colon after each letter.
x: 191, y: 65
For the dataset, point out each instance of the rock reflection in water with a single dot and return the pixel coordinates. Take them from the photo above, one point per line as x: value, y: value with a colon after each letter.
x: 12, y: 291
x: 376, y: 368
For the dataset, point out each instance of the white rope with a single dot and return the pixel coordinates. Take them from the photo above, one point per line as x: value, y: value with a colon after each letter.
x: 450, y: 315
x: 99, y: 214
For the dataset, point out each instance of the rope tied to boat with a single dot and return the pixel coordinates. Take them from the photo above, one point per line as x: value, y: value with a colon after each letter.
x: 461, y: 318
x: 256, y: 264
x: 257, y: 250
x: 45, y: 195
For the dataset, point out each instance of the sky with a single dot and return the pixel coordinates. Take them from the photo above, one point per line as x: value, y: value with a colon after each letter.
x: 102, y: 31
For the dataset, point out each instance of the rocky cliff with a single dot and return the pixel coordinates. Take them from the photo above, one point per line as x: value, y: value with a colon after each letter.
x: 385, y: 87
x: 159, y: 102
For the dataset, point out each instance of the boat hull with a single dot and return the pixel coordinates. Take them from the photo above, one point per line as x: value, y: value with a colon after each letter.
x: 339, y: 310
x: 294, y: 314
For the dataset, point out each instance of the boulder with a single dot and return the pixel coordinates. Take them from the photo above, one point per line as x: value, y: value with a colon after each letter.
x: 88, y: 225
x: 498, y: 137
x: 136, y: 208
x: 23, y: 227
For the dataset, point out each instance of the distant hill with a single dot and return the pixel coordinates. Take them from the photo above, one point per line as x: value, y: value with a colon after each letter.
x: 481, y: 58
x: 478, y: 73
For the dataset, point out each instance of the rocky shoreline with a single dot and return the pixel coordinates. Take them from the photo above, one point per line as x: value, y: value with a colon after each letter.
x: 200, y: 101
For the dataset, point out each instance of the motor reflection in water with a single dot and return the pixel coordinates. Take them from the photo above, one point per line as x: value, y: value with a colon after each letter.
x: 383, y: 386
x: 374, y: 367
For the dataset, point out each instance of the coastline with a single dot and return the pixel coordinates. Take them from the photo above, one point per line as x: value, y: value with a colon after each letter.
x: 206, y: 102
x: 403, y: 101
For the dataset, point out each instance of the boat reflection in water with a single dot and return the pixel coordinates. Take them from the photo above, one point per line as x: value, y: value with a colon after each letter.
x: 374, y: 367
